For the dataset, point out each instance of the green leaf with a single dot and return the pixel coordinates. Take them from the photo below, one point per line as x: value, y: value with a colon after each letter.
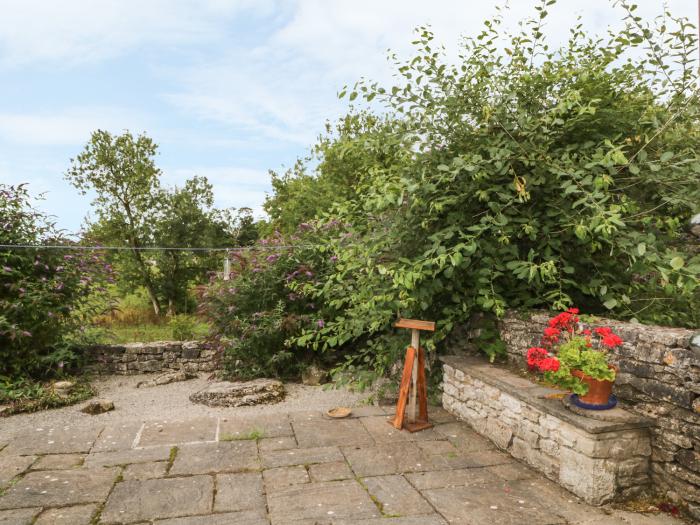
x: 677, y: 263
x: 641, y: 248
x: 610, y: 304
x: 666, y: 156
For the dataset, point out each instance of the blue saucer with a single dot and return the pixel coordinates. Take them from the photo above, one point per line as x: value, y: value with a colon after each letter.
x: 612, y: 402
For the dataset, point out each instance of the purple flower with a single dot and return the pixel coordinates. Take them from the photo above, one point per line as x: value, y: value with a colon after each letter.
x: 272, y: 258
x: 25, y: 333
x: 7, y: 268
x: 309, y: 274
x: 320, y: 323
x: 334, y: 258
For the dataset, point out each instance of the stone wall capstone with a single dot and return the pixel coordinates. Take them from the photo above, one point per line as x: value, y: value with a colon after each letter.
x: 659, y: 378
x: 159, y: 356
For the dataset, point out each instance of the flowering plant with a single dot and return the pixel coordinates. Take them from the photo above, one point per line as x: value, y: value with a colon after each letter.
x: 566, y: 345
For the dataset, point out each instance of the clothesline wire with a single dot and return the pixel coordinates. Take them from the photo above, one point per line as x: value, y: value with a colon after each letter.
x: 150, y: 248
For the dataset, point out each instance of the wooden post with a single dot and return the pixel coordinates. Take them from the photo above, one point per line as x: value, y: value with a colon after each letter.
x: 415, y: 343
x: 413, y: 390
x: 227, y: 268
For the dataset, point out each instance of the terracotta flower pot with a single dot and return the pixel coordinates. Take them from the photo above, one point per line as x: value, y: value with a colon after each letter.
x: 598, y: 390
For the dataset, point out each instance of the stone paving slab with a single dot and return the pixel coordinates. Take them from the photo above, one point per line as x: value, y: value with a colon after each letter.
x: 54, y: 440
x: 176, y: 432
x: 58, y: 461
x: 324, y: 433
x: 77, y: 515
x: 227, y: 456
x: 281, y: 477
x: 277, y: 443
x: 318, y: 501
x: 118, y: 436
x: 127, y: 457
x: 436, y: 479
x: 18, y: 516
x: 140, y: 500
x: 53, y: 488
x: 383, y: 432
x: 334, y: 471
x: 229, y: 518
x: 11, y: 466
x: 237, y: 492
x: 263, y: 426
x: 302, y: 456
x: 386, y: 458
x: 154, y: 469
x: 396, y: 496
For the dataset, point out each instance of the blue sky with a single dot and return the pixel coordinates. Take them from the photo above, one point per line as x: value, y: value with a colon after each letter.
x: 227, y: 88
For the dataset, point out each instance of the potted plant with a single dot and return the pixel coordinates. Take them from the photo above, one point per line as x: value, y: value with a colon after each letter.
x: 576, y: 359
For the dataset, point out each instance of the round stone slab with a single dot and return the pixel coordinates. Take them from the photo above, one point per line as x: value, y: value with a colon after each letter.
x: 246, y: 393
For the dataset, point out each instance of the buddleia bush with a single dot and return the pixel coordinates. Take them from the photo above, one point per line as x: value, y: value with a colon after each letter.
x: 46, y: 296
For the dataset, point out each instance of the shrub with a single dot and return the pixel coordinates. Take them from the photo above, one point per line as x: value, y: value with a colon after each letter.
x: 262, y: 307
x: 184, y: 327
x: 44, y: 294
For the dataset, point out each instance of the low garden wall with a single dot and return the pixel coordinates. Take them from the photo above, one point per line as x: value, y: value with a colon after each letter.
x: 599, y: 461
x: 659, y: 378
x: 160, y: 356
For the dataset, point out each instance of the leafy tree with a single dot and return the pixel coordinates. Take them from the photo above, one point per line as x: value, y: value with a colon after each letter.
x: 133, y: 209
x: 299, y: 196
x: 121, y: 172
x: 186, y: 217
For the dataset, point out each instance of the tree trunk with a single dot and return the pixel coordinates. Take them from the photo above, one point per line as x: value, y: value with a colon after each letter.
x: 139, y: 260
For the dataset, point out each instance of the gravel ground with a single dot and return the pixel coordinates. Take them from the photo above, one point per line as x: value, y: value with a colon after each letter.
x: 171, y: 402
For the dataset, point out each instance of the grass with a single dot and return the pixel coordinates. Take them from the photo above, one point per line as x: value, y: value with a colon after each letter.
x: 255, y: 435
x: 145, y: 333
x: 31, y: 396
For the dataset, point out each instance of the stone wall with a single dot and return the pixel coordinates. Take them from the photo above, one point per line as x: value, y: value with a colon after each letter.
x: 659, y: 378
x: 600, y: 461
x: 160, y: 356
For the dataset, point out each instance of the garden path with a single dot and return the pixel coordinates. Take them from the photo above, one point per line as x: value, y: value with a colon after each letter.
x: 280, y: 469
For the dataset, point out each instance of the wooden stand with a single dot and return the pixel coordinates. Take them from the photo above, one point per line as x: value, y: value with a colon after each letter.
x: 413, y: 386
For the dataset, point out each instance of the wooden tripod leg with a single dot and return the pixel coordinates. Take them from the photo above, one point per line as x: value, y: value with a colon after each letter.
x: 422, y: 387
x: 404, y: 388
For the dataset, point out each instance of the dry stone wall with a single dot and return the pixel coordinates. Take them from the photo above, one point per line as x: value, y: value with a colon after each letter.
x: 659, y: 378
x: 160, y: 356
x: 600, y: 461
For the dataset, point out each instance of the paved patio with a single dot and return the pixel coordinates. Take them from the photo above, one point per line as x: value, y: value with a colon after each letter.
x: 298, y: 468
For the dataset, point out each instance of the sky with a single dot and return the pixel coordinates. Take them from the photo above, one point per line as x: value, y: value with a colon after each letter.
x: 229, y: 89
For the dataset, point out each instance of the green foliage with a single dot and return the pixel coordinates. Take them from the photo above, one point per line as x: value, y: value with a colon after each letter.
x: 575, y: 355
x: 520, y: 176
x: 255, y: 312
x: 25, y: 395
x: 133, y: 209
x: 45, y: 295
x: 515, y: 176
x: 184, y: 327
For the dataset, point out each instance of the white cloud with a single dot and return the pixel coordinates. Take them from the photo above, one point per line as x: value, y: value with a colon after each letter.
x: 284, y: 89
x: 69, y: 32
x: 71, y: 126
x: 234, y: 187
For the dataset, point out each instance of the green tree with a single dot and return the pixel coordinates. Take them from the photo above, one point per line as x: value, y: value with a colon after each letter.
x: 300, y: 195
x: 186, y: 217
x: 121, y: 172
